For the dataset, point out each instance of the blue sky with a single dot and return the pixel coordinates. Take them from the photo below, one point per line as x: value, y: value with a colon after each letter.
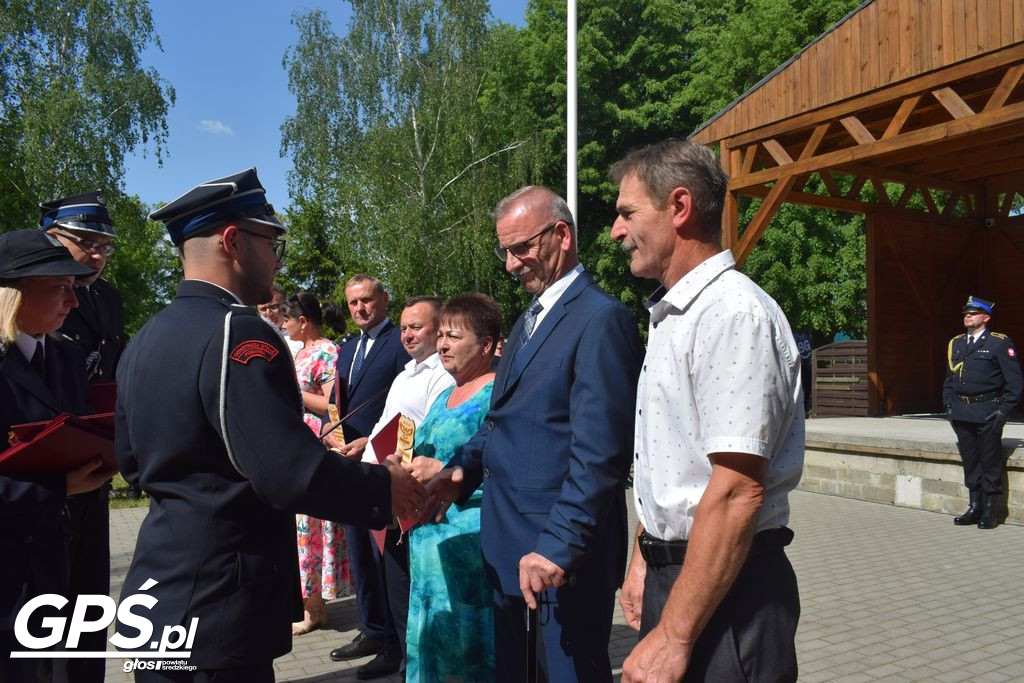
x: 223, y: 58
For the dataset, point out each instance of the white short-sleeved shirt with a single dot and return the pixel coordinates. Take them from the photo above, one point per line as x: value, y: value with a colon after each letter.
x: 412, y: 393
x: 722, y: 374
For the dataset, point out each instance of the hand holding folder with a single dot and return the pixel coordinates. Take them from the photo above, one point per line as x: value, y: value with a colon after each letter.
x: 64, y: 443
x: 396, y: 436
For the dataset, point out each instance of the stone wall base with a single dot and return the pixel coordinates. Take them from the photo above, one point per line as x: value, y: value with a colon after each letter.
x: 908, y: 478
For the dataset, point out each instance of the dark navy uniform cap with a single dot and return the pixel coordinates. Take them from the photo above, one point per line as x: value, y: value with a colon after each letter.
x: 85, y: 212
x: 215, y: 202
x: 31, y: 253
x: 976, y: 304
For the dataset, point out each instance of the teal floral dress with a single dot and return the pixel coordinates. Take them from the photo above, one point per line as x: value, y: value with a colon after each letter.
x: 451, y: 634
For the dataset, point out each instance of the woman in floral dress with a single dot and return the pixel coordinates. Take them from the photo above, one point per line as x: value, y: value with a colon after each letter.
x: 323, y: 562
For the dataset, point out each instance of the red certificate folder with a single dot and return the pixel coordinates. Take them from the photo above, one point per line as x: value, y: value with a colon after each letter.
x: 384, y: 444
x: 62, y: 444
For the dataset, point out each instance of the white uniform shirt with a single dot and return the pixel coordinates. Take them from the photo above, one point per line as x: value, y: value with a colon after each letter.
x: 412, y: 393
x: 722, y: 374
x: 27, y: 344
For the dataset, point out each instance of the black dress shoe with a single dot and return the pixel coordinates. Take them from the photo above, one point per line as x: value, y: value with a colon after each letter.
x: 384, y: 664
x: 362, y: 646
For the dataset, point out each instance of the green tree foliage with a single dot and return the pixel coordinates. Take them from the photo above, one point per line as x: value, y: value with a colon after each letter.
x: 812, y: 262
x: 401, y: 147
x: 412, y: 126
x: 75, y: 100
x: 145, y: 268
x: 657, y: 69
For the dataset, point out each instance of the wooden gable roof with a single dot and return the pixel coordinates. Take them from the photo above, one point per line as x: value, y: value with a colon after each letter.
x: 881, y: 43
x: 905, y: 105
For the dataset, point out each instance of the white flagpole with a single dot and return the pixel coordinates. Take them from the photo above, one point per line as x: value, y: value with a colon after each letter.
x: 570, y: 111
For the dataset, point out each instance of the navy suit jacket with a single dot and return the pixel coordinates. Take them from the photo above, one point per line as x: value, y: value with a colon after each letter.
x: 554, y: 451
x: 385, y: 360
x: 32, y: 529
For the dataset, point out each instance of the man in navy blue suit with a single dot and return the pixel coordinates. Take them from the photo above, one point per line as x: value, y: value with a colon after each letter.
x: 554, y: 451
x: 367, y: 365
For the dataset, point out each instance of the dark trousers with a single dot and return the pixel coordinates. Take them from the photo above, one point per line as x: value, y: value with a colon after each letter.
x: 574, y: 626
x: 981, y: 450
x: 18, y: 670
x: 396, y: 578
x: 751, y: 636
x: 89, y: 553
x: 367, y: 567
x: 261, y: 672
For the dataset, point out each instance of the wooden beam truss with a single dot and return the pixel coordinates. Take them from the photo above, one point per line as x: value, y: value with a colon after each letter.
x: 910, y: 154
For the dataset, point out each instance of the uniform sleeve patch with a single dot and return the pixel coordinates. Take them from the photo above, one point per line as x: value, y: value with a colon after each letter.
x: 1011, y: 352
x: 253, y: 348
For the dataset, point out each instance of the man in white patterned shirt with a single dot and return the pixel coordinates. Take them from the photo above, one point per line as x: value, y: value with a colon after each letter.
x: 719, y: 438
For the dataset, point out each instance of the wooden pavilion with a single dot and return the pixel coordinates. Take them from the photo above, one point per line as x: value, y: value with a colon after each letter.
x: 912, y: 112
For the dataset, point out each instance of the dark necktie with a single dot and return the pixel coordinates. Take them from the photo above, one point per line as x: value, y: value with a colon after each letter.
x: 970, y: 344
x: 39, y: 360
x: 360, y: 355
x: 530, y: 321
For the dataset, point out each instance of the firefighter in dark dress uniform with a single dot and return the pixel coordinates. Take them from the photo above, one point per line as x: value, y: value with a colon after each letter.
x: 41, y: 376
x: 983, y: 385
x: 209, y: 422
x: 83, y: 225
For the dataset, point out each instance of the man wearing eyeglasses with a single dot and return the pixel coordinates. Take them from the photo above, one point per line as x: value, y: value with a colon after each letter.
x: 554, y: 451
x: 83, y: 225
x: 271, y: 312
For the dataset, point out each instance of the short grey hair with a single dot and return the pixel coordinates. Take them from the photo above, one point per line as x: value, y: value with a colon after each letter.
x: 556, y: 206
x: 669, y: 164
x: 378, y: 286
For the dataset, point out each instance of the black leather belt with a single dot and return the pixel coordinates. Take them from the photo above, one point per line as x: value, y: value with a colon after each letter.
x: 659, y: 553
x: 980, y: 398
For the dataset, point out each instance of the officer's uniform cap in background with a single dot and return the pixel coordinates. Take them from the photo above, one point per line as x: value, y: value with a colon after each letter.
x: 85, y: 212
x: 216, y: 202
x: 31, y: 253
x: 980, y: 305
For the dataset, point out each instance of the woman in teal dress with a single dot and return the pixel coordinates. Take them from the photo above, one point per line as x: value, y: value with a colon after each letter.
x: 450, y: 633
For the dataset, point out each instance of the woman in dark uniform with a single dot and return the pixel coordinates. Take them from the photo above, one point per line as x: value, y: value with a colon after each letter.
x: 41, y: 376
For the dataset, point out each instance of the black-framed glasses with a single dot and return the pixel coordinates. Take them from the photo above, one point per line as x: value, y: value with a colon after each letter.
x: 105, y: 248
x: 520, y: 249
x: 276, y: 243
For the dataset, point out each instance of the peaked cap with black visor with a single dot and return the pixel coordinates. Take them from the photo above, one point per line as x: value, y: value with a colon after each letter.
x: 85, y: 212
x: 216, y: 202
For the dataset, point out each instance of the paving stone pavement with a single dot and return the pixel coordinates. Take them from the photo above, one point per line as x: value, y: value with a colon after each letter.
x: 887, y: 593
